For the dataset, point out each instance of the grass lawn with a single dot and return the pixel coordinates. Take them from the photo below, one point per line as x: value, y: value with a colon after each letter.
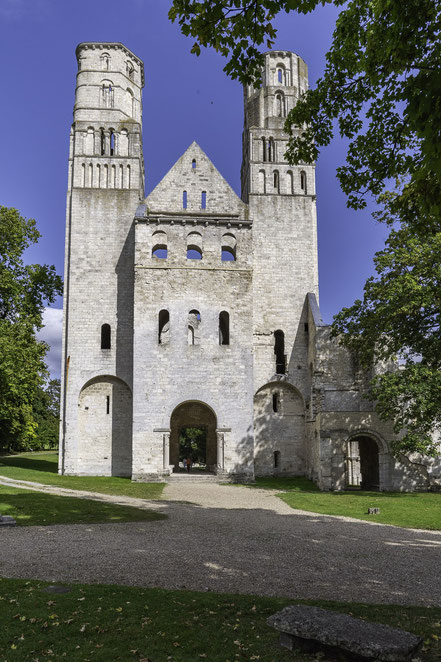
x: 34, y: 508
x: 117, y: 623
x: 415, y: 510
x: 42, y: 468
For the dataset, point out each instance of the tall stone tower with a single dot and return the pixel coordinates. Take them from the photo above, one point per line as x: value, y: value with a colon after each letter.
x: 281, y: 201
x: 105, y: 184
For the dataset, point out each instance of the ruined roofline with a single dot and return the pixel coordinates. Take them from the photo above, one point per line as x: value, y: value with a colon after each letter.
x: 101, y: 45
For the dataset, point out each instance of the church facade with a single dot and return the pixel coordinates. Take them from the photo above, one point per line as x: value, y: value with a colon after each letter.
x: 194, y: 308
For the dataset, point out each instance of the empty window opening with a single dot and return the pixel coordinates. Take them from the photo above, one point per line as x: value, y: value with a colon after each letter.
x: 276, y: 181
x: 112, y: 143
x: 163, y: 327
x: 228, y: 250
x: 204, y: 200
x: 303, y: 182
x: 103, y: 142
x: 276, y: 402
x: 194, y: 253
x: 159, y: 249
x: 107, y: 404
x: 279, y: 351
x: 224, y: 328
x: 193, y: 163
x: 306, y: 327
x: 263, y: 149
x: 194, y: 322
x: 184, y: 199
x: 276, y: 459
x: 194, y: 246
x: 105, y: 336
x: 271, y: 152
x: 279, y: 76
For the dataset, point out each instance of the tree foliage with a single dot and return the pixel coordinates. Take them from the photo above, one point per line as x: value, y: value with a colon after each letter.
x: 46, y: 411
x: 381, y: 92
x: 24, y: 290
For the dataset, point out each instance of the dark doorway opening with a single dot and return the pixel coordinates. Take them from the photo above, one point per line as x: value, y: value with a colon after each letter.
x: 363, y: 464
x: 193, y: 434
x: 193, y: 446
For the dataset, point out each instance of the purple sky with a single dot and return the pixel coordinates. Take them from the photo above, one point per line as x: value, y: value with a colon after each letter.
x: 185, y: 98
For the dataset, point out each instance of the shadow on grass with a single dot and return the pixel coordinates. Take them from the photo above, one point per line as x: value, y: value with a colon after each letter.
x: 34, y: 508
x: 38, y: 463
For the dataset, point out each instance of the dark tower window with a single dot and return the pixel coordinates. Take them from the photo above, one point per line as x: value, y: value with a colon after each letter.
x: 112, y: 143
x: 279, y: 351
x: 193, y: 163
x: 108, y: 404
x: 224, y: 328
x: 275, y: 402
x: 163, y: 327
x: 184, y: 199
x: 276, y: 181
x: 276, y: 459
x: 105, y: 336
x: 303, y: 182
x: 263, y: 149
x: 103, y: 142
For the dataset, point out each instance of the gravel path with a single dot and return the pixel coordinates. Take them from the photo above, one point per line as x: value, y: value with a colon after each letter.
x: 234, y: 539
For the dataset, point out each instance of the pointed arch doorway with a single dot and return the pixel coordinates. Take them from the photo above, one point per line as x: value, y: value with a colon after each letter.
x: 193, y: 433
x: 363, y: 463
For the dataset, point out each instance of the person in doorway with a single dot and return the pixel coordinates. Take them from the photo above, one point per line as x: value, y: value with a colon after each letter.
x: 188, y: 464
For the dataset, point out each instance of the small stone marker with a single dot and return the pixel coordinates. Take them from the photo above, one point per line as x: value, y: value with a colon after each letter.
x: 313, y: 628
x: 373, y: 511
x: 6, y: 520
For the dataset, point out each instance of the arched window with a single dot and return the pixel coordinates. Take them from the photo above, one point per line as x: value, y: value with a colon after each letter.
x: 121, y: 176
x: 184, y: 199
x: 98, y: 176
x: 113, y: 178
x: 276, y: 459
x: 130, y: 70
x: 194, y: 322
x: 105, y: 336
x: 90, y: 175
x: 279, y: 351
x: 131, y: 102
x: 159, y: 249
x: 263, y: 149
x: 228, y: 250
x: 107, y: 94
x: 83, y: 175
x: 112, y: 142
x: 280, y: 105
x: 289, y: 182
x: 262, y: 181
x: 276, y: 181
x: 224, y: 328
x: 204, y: 200
x: 129, y: 177
x: 303, y: 184
x: 105, y: 62
x: 193, y: 163
x: 103, y: 142
x: 271, y: 150
x: 163, y: 327
x: 194, y: 246
x: 281, y: 74
x: 106, y: 176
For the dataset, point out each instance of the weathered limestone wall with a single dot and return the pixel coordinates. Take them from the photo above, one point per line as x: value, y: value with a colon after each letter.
x: 105, y: 139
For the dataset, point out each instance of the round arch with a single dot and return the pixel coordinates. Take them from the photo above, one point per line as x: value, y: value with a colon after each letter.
x: 367, y: 460
x: 188, y: 417
x: 105, y: 427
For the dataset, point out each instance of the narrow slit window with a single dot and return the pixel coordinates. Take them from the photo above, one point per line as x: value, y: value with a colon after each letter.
x: 279, y: 76
x: 303, y: 185
x: 263, y: 149
x: 276, y: 181
x: 193, y: 163
x: 107, y: 404
x: 105, y: 336
x: 204, y: 200
x: 224, y: 328
x: 276, y: 459
x: 112, y: 143
x: 193, y: 327
x: 275, y: 402
x: 103, y: 142
x: 163, y: 327
x: 184, y: 199
x: 279, y: 351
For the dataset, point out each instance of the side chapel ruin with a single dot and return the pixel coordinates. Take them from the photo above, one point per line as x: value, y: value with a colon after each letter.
x: 193, y: 308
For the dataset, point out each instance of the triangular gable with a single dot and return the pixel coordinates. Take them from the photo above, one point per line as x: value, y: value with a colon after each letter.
x: 195, y: 174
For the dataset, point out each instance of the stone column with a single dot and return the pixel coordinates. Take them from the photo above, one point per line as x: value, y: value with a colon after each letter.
x: 166, y: 451
x: 220, y: 451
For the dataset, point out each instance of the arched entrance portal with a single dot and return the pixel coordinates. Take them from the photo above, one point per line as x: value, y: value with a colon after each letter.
x: 193, y: 430
x: 363, y: 463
